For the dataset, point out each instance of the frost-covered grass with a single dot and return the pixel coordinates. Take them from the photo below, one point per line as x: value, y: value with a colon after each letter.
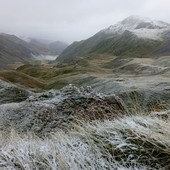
x: 133, y: 142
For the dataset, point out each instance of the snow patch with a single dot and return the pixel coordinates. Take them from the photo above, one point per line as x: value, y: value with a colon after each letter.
x: 154, y: 34
x: 142, y: 27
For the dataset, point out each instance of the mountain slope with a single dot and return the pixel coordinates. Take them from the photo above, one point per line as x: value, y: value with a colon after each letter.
x: 14, y: 50
x: 48, y: 47
x: 57, y: 47
x: 133, y: 36
x: 81, y: 48
x: 126, y: 44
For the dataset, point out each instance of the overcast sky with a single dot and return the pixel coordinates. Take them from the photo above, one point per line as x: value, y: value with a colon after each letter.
x: 73, y: 20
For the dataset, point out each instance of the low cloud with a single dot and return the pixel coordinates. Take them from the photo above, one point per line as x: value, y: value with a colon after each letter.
x: 73, y: 20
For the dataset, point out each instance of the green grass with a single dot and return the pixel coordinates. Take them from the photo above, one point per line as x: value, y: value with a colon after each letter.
x: 127, y: 44
x: 79, y: 73
x: 22, y: 79
x: 47, y: 72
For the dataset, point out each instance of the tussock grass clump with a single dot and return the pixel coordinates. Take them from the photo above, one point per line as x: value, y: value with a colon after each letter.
x: 136, y: 142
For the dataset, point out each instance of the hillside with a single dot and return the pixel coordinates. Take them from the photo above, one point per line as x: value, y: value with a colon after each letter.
x: 14, y: 50
x: 134, y: 36
x: 47, y: 47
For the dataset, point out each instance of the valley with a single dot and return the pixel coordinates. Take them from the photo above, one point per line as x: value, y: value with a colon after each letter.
x: 104, y: 101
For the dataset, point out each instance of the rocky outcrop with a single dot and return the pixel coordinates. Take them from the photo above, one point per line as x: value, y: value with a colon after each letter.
x: 55, y: 109
x: 10, y: 93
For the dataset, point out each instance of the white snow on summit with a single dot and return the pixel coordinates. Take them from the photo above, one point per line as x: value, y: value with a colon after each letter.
x: 155, y: 34
x: 142, y: 27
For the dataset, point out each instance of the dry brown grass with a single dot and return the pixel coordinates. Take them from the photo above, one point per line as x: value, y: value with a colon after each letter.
x: 136, y: 142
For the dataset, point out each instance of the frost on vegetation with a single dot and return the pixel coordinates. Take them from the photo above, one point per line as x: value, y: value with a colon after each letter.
x: 55, y: 109
x: 133, y: 143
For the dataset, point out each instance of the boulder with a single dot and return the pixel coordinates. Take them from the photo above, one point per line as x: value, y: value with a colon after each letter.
x: 55, y: 109
x: 10, y: 93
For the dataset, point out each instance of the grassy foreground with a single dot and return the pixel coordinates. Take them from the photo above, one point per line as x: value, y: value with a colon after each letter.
x: 132, y: 142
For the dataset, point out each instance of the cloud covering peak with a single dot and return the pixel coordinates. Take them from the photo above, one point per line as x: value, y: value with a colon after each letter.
x: 72, y: 20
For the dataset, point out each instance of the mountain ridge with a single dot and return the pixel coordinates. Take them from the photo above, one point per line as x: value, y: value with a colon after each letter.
x: 16, y: 50
x: 154, y: 36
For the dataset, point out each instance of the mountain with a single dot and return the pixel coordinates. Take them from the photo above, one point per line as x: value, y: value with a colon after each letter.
x: 15, y: 50
x: 48, y: 47
x: 134, y: 36
x: 57, y: 47
x: 43, y: 46
x: 142, y: 27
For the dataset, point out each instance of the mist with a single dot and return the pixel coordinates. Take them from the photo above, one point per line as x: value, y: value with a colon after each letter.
x: 74, y: 20
x: 45, y: 57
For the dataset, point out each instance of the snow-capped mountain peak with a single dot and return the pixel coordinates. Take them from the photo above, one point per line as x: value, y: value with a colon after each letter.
x: 136, y: 22
x: 140, y: 26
